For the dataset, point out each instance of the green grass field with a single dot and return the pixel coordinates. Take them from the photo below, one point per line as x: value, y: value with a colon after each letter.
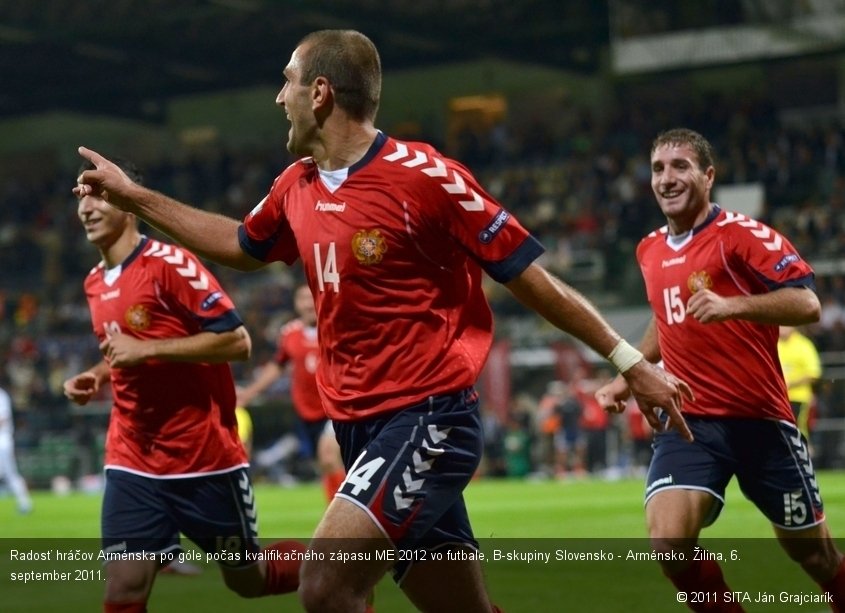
x: 555, y: 518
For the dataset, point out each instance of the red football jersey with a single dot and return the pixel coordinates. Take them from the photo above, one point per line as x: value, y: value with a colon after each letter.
x: 732, y: 366
x: 169, y: 419
x: 297, y: 346
x: 393, y: 255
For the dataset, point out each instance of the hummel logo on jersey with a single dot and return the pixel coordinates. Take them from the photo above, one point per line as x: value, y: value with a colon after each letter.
x: 330, y: 207
x: 674, y: 261
x: 658, y: 482
x: 115, y: 293
x: 434, y: 167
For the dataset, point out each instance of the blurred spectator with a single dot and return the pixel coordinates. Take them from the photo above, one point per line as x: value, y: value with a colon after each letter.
x: 8, y: 466
x: 595, y: 421
x: 518, y: 438
x: 802, y: 368
x: 563, y: 409
x: 638, y: 435
x: 494, y: 445
x: 549, y: 427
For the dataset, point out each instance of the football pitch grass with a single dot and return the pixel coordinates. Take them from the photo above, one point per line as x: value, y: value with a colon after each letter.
x: 558, y: 524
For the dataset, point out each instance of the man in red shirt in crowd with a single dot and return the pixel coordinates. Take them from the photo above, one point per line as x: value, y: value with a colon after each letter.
x: 297, y: 347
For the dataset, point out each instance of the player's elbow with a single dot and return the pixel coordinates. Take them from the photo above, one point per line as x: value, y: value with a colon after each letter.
x: 815, y: 315
x: 803, y: 306
x: 241, y: 348
x: 812, y: 308
x: 240, y: 260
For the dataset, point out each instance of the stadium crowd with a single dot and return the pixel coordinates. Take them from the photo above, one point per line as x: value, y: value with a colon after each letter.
x: 579, y: 181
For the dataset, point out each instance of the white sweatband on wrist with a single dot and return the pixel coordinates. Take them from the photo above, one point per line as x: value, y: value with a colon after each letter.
x: 624, y: 356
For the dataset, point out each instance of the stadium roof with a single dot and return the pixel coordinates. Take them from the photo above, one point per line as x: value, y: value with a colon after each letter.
x: 124, y: 57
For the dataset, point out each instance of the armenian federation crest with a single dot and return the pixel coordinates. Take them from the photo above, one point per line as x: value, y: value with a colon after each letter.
x: 369, y: 246
x: 698, y: 281
x: 137, y: 317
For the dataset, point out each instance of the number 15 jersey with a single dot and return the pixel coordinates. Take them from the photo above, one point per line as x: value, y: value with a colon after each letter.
x: 731, y: 366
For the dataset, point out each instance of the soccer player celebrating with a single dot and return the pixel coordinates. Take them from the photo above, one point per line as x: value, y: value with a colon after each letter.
x: 393, y: 238
x: 719, y: 284
x: 173, y: 462
x: 297, y: 346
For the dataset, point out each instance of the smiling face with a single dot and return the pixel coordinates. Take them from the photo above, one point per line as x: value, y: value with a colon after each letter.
x: 104, y: 225
x: 680, y: 185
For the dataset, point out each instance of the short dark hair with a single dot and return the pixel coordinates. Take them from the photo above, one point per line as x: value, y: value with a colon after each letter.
x: 685, y: 136
x: 125, y: 165
x: 351, y: 63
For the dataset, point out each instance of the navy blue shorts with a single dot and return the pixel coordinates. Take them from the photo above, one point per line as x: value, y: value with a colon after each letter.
x: 408, y: 470
x: 769, y: 458
x: 217, y: 512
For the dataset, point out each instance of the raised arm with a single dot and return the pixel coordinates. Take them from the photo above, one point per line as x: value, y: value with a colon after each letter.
x: 209, y: 235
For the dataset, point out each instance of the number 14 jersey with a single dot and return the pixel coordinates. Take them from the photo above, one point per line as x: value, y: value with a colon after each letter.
x: 393, y: 248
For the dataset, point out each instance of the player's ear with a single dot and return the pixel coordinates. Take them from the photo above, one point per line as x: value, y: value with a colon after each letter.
x: 710, y: 173
x: 321, y: 92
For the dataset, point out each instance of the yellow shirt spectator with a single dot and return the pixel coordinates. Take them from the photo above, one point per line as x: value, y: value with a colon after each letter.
x: 801, y: 369
x: 244, y: 428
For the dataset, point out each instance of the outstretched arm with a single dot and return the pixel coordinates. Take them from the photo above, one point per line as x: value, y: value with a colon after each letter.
x: 266, y: 376
x: 567, y: 309
x: 209, y: 235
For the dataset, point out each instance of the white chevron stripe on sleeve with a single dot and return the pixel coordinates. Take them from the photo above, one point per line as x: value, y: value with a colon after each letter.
x: 416, y: 159
x: 184, y: 265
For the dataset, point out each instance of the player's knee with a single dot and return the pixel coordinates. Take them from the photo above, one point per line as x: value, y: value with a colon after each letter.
x: 673, y: 554
x: 818, y: 560
x: 666, y: 545
x: 313, y: 599
x: 316, y: 596
x: 328, y: 459
x: 128, y: 586
x: 328, y: 465
x: 318, y: 593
